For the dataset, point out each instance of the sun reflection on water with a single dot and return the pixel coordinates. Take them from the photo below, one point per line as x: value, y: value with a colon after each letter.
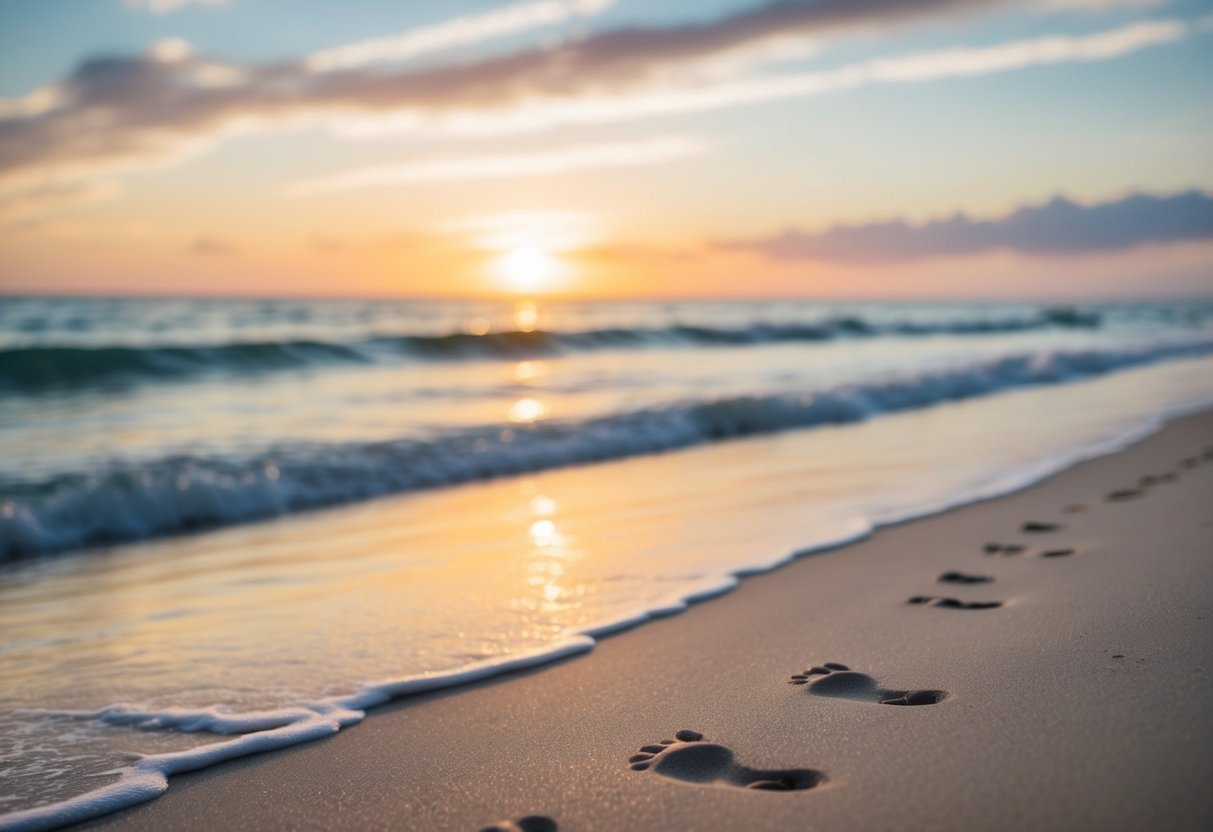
x: 526, y: 316
x: 542, y: 506
x: 553, y: 589
x: 477, y: 326
x: 527, y: 410
x: 529, y: 372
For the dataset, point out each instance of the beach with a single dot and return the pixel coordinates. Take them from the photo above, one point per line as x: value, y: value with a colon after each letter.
x: 195, y: 573
x: 565, y: 415
x: 1078, y: 703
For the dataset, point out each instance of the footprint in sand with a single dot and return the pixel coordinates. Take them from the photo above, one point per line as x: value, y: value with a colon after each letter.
x: 1004, y: 549
x: 531, y: 823
x: 834, y: 679
x: 1034, y: 527
x: 692, y: 760
x: 1122, y: 494
x: 953, y: 603
x: 954, y: 577
x: 1058, y: 553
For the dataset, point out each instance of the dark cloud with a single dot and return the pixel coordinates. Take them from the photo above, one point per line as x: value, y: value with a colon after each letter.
x: 1057, y: 227
x: 118, y: 108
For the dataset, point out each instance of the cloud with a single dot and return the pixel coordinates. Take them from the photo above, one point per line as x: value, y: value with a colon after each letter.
x: 115, y: 112
x: 111, y: 109
x: 166, y: 6
x: 1097, y: 5
x: 461, y: 31
x: 326, y: 243
x: 30, y: 206
x: 634, y: 252
x: 664, y: 99
x: 212, y: 247
x: 1054, y: 228
x: 1050, y: 49
x: 548, y: 230
x: 75, y: 230
x: 548, y: 162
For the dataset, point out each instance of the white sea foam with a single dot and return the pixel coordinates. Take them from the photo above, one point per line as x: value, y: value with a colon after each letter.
x: 257, y: 732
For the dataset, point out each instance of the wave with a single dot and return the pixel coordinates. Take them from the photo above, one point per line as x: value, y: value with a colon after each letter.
x: 129, y: 501
x: 35, y: 369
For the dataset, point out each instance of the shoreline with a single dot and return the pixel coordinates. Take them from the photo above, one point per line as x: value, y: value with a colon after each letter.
x: 396, y: 717
x: 238, y: 733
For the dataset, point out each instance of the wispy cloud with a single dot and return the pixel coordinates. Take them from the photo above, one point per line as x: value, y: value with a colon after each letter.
x: 1057, y: 227
x: 123, y: 111
x: 1097, y: 5
x: 1051, y: 49
x: 662, y: 99
x: 212, y: 247
x: 114, y: 109
x: 461, y: 31
x: 548, y: 230
x: 31, y: 205
x: 166, y: 6
x: 548, y: 162
x: 628, y: 253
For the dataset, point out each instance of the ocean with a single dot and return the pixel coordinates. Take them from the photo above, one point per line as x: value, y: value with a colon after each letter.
x: 232, y: 525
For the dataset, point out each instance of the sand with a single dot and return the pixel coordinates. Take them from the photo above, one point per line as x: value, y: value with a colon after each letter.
x: 1070, y: 691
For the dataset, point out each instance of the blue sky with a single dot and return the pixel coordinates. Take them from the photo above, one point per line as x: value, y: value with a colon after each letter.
x: 611, y: 137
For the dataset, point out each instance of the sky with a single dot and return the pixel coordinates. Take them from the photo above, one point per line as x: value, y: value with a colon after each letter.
x: 607, y: 148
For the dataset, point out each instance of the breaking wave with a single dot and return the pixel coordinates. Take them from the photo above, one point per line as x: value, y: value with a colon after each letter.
x: 125, y: 501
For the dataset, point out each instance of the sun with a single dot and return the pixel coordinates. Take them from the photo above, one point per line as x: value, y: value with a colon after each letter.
x: 528, y: 269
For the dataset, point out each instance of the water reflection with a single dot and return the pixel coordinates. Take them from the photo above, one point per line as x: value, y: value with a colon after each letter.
x: 527, y: 410
x: 477, y: 326
x: 526, y: 316
x: 548, y: 572
x: 546, y: 535
x: 542, y: 506
x: 529, y: 372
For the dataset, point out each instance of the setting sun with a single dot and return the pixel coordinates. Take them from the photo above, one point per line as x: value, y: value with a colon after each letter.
x: 528, y: 269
